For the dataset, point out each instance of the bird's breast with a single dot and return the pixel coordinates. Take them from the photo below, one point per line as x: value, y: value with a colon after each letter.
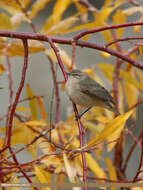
x: 76, y: 95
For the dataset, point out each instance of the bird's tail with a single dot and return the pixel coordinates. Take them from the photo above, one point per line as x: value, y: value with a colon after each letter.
x: 112, y: 108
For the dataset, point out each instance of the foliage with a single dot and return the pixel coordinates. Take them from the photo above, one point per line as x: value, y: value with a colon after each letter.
x: 66, y: 153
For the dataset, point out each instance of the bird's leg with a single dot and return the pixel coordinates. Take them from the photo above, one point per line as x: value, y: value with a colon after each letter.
x: 82, y: 113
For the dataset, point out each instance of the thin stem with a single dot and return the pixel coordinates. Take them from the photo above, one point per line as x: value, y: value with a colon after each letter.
x: 73, y: 54
x: 68, y: 41
x: 81, y: 138
x: 18, y: 93
x: 108, y: 27
x: 130, y: 153
x: 123, y: 40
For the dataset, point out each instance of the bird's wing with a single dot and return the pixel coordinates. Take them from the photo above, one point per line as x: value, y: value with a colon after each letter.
x: 92, y: 88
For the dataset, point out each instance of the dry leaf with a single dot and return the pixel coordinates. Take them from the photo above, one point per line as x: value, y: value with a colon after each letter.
x: 111, y: 130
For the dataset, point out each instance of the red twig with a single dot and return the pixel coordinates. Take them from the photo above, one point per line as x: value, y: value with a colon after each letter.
x: 57, y: 90
x: 10, y: 89
x: 81, y: 137
x: 109, y: 27
x: 130, y: 153
x: 73, y: 54
x: 89, y: 5
x: 75, y: 110
x: 133, y: 3
x: 26, y: 15
x: 18, y: 92
x: 9, y: 76
x: 141, y: 161
x: 118, y: 157
x: 50, y: 40
x: 124, y: 39
x: 42, y: 37
x: 14, y: 107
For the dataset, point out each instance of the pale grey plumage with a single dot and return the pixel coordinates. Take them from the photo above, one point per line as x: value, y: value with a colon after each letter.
x: 86, y: 92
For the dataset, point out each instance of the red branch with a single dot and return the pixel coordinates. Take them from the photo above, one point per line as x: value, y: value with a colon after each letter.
x: 110, y: 27
x: 73, y: 54
x: 69, y: 41
x: 141, y: 162
x: 81, y: 136
x: 124, y: 39
x: 13, y: 108
x: 57, y: 90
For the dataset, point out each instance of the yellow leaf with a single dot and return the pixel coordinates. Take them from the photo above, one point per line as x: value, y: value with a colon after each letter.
x: 121, y: 97
x: 111, y: 170
x: 36, y: 123
x: 136, y: 188
x: 59, y: 8
x: 45, y: 146
x: 131, y: 95
x: 115, y: 126
x: 140, y: 76
x: 2, y: 43
x: 94, y: 167
x: 1, y: 142
x: 32, y: 103
x: 132, y: 10
x: 82, y: 9
x: 43, y: 176
x: 14, y: 179
x: 11, y: 6
x: 108, y: 7
x: 81, y: 27
x: 2, y: 68
x: 5, y: 23
x: 17, y: 18
x: 63, y: 54
x: 71, y: 172
x: 22, y: 109
x: 105, y: 54
x: 42, y: 110
x: 65, y: 59
x: 128, y: 77
x: 107, y: 36
x: 119, y: 18
x: 51, y: 28
x: 69, y: 169
x: 16, y: 47
x: 141, y: 50
x: 37, y: 6
x: 23, y: 135
x: 108, y: 69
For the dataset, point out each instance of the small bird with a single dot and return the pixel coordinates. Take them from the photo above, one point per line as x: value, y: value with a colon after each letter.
x: 86, y: 92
